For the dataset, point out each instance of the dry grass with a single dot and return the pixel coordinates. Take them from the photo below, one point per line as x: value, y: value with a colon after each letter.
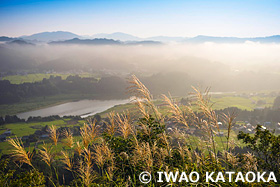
x: 143, y: 154
x: 19, y: 153
x: 176, y: 113
x: 103, y: 154
x: 85, y: 135
x: 86, y: 173
x: 93, y: 130
x: 228, y: 119
x: 124, y: 125
x: 111, y: 126
x: 205, y: 120
x: 87, y: 157
x: 89, y: 133
x: 47, y: 155
x: 142, y: 108
x: 141, y: 91
x: 78, y: 148
x: 67, y: 161
x: 53, y: 134
x: 69, y: 141
x: 250, y: 162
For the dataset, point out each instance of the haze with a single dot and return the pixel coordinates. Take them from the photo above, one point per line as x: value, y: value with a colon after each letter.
x: 221, y: 66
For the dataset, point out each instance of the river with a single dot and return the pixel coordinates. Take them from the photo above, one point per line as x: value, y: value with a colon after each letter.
x: 83, y: 108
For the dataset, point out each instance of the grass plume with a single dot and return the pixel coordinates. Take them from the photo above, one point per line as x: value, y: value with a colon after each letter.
x: 19, y: 153
x: 47, y: 155
x: 53, y: 134
x: 69, y: 142
x: 67, y: 161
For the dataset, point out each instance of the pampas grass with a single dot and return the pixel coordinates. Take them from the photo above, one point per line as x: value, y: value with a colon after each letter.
x: 124, y: 125
x: 67, y: 161
x: 103, y: 154
x: 85, y: 135
x: 111, y: 125
x: 69, y: 142
x: 19, y: 153
x: 142, y: 92
x: 86, y: 173
x: 47, y: 155
x: 53, y: 134
x: 78, y: 148
x: 176, y: 113
x: 89, y: 132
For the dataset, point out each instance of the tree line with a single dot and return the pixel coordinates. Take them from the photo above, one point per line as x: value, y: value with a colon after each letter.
x: 106, y: 87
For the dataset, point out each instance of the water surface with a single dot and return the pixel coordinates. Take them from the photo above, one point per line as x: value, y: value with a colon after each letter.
x: 81, y: 108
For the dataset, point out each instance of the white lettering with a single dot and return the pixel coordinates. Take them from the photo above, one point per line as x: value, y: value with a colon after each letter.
x: 253, y: 176
x: 220, y: 177
x: 230, y: 173
x: 160, y: 176
x: 183, y: 177
x: 239, y: 177
x: 271, y: 177
x: 171, y: 175
x: 261, y: 177
x: 191, y: 176
x: 209, y: 177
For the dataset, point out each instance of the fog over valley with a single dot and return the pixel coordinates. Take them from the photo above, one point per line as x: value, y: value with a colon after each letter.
x: 221, y: 66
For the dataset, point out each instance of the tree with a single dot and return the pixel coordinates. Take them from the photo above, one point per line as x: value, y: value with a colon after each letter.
x: 266, y: 148
x: 2, y: 122
x: 13, y: 119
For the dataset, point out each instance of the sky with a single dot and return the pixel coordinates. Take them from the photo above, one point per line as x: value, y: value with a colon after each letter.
x: 187, y: 18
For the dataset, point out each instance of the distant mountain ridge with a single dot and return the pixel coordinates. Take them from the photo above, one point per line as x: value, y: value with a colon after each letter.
x: 202, y: 39
x: 97, y: 41
x: 51, y: 36
x: 6, y: 39
x: 63, y: 35
x: 20, y: 42
x: 118, y: 36
x: 128, y: 38
x: 103, y: 41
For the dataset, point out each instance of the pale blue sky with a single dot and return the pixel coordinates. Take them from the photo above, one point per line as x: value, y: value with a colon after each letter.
x: 241, y: 18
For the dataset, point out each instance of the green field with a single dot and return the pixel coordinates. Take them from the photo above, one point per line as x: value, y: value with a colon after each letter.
x: 241, y: 102
x: 218, y: 102
x: 24, y: 129
x: 19, y: 79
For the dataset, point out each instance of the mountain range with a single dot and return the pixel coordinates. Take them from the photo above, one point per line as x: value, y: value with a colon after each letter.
x: 103, y: 41
x: 63, y: 36
x: 51, y: 36
x: 202, y: 39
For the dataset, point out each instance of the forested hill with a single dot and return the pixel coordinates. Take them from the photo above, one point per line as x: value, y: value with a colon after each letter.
x: 105, y: 88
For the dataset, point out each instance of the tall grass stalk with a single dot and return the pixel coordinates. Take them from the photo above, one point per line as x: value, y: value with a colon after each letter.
x: 19, y: 153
